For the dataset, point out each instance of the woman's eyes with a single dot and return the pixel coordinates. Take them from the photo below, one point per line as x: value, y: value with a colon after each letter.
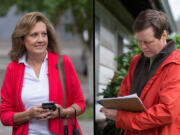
x: 36, y: 34
x: 44, y: 34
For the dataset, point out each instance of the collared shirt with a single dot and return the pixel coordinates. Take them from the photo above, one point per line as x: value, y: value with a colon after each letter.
x: 35, y: 91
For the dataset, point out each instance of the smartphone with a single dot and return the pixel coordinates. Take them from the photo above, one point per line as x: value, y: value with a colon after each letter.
x: 49, y: 105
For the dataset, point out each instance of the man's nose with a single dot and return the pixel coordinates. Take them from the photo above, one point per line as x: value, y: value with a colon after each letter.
x: 142, y: 45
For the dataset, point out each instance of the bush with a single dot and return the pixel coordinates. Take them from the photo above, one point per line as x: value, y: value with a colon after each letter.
x: 113, y: 87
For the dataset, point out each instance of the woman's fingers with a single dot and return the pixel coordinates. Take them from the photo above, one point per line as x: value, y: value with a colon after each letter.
x: 37, y: 111
x: 57, y: 105
x: 44, y: 116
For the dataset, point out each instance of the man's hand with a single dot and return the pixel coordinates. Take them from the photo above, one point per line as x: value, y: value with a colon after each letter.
x: 109, y: 113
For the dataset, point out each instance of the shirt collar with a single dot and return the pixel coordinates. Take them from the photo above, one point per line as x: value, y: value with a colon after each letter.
x: 23, y: 59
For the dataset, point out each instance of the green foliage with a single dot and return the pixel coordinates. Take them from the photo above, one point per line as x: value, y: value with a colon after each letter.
x: 176, y: 39
x: 123, y: 65
x: 88, y: 114
x: 5, y: 6
x: 113, y: 87
x: 82, y: 11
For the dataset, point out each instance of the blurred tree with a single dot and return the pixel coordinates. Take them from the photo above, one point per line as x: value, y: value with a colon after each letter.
x: 82, y: 12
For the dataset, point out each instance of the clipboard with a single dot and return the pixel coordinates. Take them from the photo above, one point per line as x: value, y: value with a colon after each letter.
x: 130, y: 103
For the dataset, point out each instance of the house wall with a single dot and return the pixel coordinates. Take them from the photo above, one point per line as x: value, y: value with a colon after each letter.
x: 106, y: 54
x: 109, y: 38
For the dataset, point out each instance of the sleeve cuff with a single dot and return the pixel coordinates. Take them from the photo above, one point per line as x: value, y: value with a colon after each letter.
x: 125, y: 120
x: 7, y: 119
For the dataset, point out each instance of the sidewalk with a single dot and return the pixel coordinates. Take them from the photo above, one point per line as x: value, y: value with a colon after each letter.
x: 5, y: 130
x: 86, y: 127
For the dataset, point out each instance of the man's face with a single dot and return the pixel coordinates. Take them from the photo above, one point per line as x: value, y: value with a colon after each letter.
x: 150, y: 45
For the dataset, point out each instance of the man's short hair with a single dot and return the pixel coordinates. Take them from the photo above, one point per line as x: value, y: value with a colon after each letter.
x: 151, y: 18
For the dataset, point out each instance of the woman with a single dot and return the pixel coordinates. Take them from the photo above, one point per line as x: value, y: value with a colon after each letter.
x: 32, y: 79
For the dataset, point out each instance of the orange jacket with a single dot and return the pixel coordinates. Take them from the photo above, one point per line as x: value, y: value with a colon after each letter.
x: 161, y: 97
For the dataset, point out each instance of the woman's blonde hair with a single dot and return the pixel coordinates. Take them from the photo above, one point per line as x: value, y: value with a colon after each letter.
x: 23, y: 28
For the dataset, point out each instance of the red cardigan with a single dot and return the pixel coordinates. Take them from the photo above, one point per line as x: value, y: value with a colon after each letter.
x: 12, y: 87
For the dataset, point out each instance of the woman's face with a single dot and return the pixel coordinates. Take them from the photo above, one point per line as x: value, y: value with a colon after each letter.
x: 37, y: 40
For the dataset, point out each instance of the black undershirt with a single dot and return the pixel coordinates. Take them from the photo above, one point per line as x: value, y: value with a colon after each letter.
x: 143, y: 72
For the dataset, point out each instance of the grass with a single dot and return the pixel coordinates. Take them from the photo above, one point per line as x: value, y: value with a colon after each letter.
x: 88, y: 114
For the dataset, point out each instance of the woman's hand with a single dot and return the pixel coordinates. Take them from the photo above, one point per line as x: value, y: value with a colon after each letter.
x: 68, y: 112
x: 55, y: 114
x: 65, y: 112
x: 36, y: 112
x: 39, y: 113
x: 109, y: 113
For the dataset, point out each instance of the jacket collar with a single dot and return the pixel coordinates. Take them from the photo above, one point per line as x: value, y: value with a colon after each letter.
x: 168, y: 49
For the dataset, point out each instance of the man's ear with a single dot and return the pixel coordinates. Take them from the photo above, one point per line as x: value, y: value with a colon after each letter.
x: 164, y: 34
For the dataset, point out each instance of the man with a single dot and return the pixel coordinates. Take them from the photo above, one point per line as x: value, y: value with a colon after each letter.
x: 155, y: 76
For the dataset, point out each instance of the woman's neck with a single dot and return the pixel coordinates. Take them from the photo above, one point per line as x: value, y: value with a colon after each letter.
x: 35, y: 59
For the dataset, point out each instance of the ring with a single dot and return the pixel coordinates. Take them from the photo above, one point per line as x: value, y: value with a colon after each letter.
x: 40, y: 112
x: 44, y: 117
